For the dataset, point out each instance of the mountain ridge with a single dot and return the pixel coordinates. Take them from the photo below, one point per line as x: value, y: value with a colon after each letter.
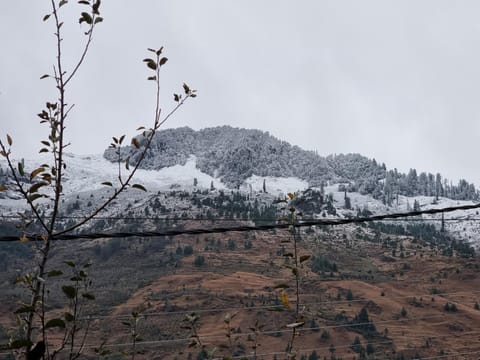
x: 235, y: 154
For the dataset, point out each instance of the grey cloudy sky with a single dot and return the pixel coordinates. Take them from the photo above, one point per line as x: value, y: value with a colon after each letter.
x: 394, y: 80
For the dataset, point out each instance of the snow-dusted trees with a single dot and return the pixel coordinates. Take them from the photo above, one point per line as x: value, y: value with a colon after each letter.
x: 438, y: 186
x: 235, y: 154
x: 411, y: 182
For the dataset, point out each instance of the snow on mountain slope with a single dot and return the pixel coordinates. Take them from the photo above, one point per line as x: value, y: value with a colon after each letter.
x: 84, y: 175
x: 278, y: 186
x: 461, y: 224
x: 88, y: 172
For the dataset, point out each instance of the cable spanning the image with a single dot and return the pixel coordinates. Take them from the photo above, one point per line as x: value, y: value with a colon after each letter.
x: 445, y: 296
x: 166, y: 218
x: 217, y: 230
x: 155, y: 344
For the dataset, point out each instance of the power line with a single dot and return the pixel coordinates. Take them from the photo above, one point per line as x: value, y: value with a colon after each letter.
x: 282, y: 330
x: 217, y: 335
x: 221, y: 336
x: 246, y: 356
x: 273, y: 306
x: 346, y: 346
x: 167, y: 218
x: 216, y: 230
x: 304, y: 351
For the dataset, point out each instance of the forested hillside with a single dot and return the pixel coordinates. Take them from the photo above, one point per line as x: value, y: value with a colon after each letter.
x: 235, y: 154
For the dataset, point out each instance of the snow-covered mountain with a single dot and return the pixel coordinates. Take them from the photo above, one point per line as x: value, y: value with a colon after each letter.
x: 233, y: 155
x: 210, y: 172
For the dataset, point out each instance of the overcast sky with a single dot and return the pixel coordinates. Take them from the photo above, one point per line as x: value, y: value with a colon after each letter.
x: 394, y: 80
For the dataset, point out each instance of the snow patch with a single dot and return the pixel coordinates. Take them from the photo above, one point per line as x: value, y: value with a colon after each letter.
x: 88, y: 172
x: 274, y: 185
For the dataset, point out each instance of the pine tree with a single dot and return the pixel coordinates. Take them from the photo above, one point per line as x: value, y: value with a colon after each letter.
x: 438, y: 186
x: 412, y: 182
x: 416, y: 205
x: 423, y: 184
x: 431, y: 184
x: 348, y: 204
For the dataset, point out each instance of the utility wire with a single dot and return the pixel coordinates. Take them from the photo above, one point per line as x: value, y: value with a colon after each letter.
x: 216, y: 230
x: 306, y: 351
x: 278, y: 353
x: 169, y: 218
x: 221, y: 336
x: 273, y: 306
x: 282, y: 330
